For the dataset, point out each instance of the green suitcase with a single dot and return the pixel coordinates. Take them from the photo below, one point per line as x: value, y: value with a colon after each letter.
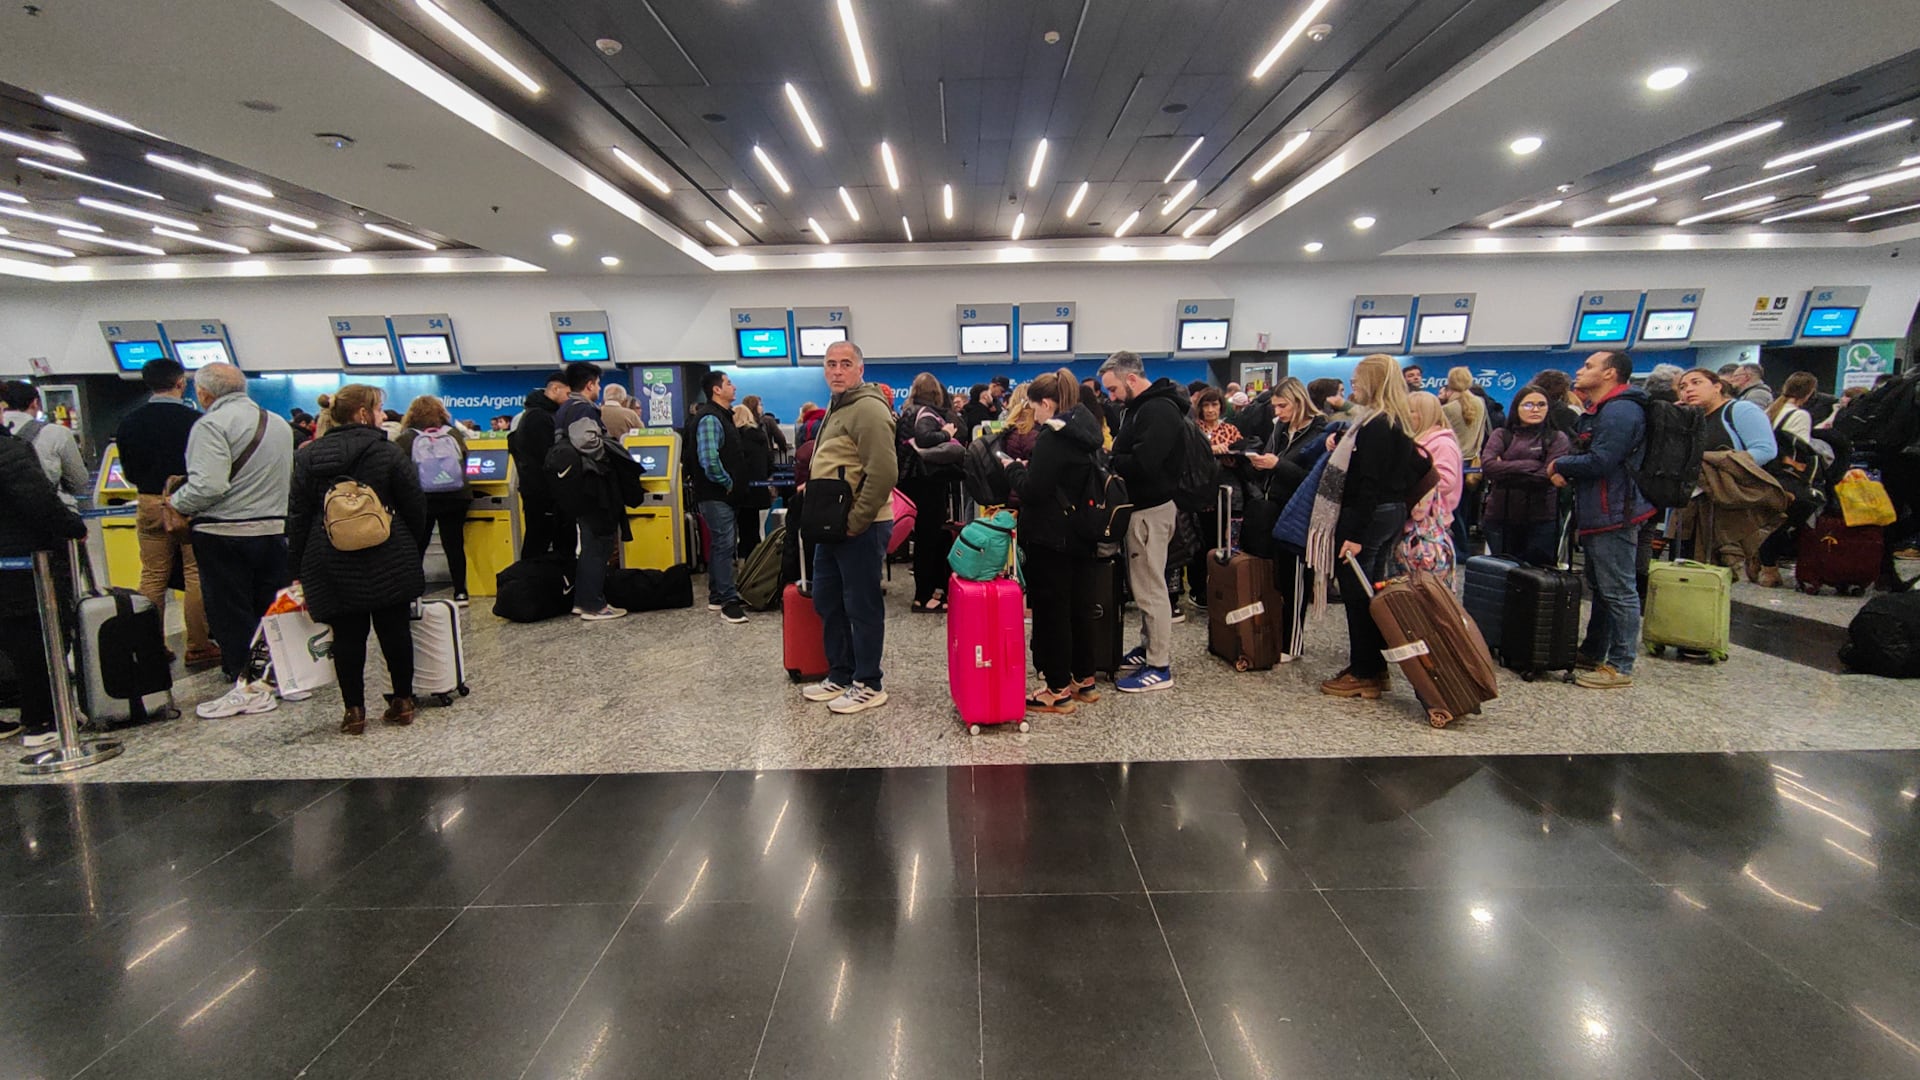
x: 1690, y: 608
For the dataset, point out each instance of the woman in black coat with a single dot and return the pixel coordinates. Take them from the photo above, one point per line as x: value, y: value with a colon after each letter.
x: 926, y: 424
x: 749, y: 500
x: 375, y: 588
x: 1296, y: 443
x: 1058, y: 587
x: 32, y: 518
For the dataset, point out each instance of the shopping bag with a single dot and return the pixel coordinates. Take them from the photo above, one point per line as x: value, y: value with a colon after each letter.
x: 301, y: 649
x: 1864, y: 501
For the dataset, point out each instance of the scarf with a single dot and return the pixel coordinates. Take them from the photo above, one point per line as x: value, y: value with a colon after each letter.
x: 1326, y: 514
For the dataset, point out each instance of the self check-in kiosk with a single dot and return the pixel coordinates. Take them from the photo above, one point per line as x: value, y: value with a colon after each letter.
x: 119, y: 538
x: 492, y: 538
x: 659, y: 522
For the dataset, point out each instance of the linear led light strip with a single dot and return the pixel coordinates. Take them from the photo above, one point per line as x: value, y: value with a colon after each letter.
x: 1287, y: 39
x: 1532, y: 211
x: 1656, y: 185
x: 1286, y: 150
x: 1816, y: 208
x: 1039, y: 160
x: 721, y: 233
x: 746, y: 207
x: 773, y: 171
x: 277, y: 215
x: 1179, y: 197
x: 144, y: 249
x: 1178, y: 165
x: 846, y: 200
x: 907, y: 227
x: 819, y: 232
x: 1079, y: 196
x: 66, y: 153
x: 1725, y: 211
x: 396, y: 234
x: 850, y: 26
x: 886, y: 159
x: 77, y: 109
x: 806, y: 118
x: 1884, y: 213
x: 1751, y: 184
x: 1019, y: 226
x: 1872, y: 182
x: 104, y: 206
x: 61, y: 170
x: 217, y: 245
x: 1126, y: 225
x: 1715, y: 147
x: 1608, y: 215
x: 204, y: 173
x: 8, y: 196
x: 1187, y: 233
x: 36, y: 248
x: 49, y: 219
x: 946, y: 200
x: 472, y: 41
x: 327, y: 242
x: 642, y: 171
x: 1845, y: 140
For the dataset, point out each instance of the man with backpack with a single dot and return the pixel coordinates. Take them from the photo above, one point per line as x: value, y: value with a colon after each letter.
x: 1610, y: 446
x: 1150, y: 453
x: 545, y: 528
x: 584, y: 484
x: 717, y: 466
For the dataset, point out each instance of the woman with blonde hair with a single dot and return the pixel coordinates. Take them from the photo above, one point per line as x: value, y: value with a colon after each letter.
x: 1429, y: 543
x: 1023, y: 429
x: 438, y: 449
x: 929, y: 472
x: 1467, y: 415
x: 1277, y: 473
x: 1359, y: 510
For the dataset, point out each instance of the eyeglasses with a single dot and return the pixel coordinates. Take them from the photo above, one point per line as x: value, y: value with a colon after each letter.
x: 1533, y: 404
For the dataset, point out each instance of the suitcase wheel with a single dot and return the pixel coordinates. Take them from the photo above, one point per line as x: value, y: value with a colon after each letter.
x: 1659, y: 650
x: 1243, y: 664
x: 1023, y: 727
x: 974, y: 729
x: 793, y: 675
x: 1439, y: 717
x: 1529, y: 676
x: 443, y: 700
x: 1810, y: 589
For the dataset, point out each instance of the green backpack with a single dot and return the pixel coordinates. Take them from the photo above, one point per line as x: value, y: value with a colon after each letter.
x: 985, y: 550
x: 759, y: 582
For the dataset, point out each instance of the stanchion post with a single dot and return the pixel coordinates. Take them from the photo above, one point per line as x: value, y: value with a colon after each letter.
x: 72, y: 753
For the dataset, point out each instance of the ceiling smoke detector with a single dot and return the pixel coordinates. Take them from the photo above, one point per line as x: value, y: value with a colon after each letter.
x: 1051, y: 37
x: 1319, y: 31
x: 608, y: 46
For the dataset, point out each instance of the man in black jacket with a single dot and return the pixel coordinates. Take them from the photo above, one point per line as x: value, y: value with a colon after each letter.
x: 34, y: 519
x: 717, y: 465
x: 1149, y: 452
x: 545, y: 528
x: 153, y: 446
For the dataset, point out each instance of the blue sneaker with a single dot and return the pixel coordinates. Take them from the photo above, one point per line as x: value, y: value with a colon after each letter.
x: 1134, y: 660
x: 1147, y: 678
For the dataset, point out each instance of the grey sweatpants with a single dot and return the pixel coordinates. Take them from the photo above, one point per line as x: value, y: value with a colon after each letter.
x: 1148, y: 532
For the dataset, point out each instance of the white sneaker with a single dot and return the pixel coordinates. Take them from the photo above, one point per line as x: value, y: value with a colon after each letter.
x: 824, y: 690
x: 858, y: 698
x: 39, y: 740
x: 605, y: 613
x: 293, y: 695
x: 245, y: 699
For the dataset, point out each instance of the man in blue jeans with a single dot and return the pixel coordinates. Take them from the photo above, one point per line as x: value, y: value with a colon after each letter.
x: 1611, y: 443
x: 719, y: 463
x: 578, y: 422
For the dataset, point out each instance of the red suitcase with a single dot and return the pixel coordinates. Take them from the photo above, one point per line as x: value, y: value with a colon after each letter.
x: 1833, y: 553
x: 803, y: 640
x: 1436, y: 644
x: 987, y: 652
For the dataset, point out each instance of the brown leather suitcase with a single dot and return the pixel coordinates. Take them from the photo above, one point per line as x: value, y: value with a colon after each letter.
x: 1244, y: 609
x: 1436, y: 644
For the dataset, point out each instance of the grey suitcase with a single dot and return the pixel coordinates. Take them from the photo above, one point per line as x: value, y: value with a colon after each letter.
x: 120, y: 652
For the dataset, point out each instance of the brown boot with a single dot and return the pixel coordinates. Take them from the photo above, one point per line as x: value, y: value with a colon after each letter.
x: 203, y: 658
x: 1769, y: 577
x: 399, y: 712
x: 1753, y: 569
x: 1347, y: 684
x: 354, y: 722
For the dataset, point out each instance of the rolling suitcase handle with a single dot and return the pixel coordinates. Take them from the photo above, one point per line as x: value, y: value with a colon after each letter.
x: 1224, y: 513
x: 1361, y: 573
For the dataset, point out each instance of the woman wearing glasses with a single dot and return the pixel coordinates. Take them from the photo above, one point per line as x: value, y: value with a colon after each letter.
x: 1521, y: 520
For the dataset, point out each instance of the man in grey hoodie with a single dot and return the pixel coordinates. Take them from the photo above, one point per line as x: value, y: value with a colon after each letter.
x: 239, y: 472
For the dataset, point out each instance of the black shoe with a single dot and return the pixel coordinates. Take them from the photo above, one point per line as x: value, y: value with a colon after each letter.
x: 10, y: 728
x: 733, y: 611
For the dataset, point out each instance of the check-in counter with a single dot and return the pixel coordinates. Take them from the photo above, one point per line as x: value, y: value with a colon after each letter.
x: 490, y: 537
x: 119, y: 537
x: 659, y: 522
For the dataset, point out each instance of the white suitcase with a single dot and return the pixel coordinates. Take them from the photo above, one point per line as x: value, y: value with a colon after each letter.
x: 439, y: 652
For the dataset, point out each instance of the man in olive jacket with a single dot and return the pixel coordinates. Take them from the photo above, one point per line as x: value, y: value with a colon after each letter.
x: 855, y: 444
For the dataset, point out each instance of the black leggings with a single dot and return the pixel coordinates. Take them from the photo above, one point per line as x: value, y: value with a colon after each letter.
x: 394, y: 626
x: 1058, y: 588
x: 1377, y: 540
x: 932, y: 507
x: 451, y: 519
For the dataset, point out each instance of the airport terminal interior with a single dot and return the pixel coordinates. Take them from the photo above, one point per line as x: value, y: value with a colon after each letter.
x: 634, y: 847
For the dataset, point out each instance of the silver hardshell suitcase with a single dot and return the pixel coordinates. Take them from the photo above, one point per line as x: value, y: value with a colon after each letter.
x: 120, y: 652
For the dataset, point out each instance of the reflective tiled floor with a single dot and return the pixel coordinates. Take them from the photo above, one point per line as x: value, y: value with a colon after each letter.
x: 1738, y: 916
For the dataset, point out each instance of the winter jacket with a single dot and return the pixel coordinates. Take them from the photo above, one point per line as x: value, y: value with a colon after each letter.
x: 1297, y: 451
x: 974, y: 415
x: 620, y: 420
x: 1385, y: 468
x: 1472, y: 438
x: 1053, y: 480
x: 354, y: 582
x: 856, y: 443
x: 529, y: 442
x: 1613, y: 437
x: 439, y: 499
x: 59, y: 454
x: 254, y: 501
x: 35, y: 520
x: 1149, y: 451
x: 756, y: 463
x: 1018, y: 444
x: 1444, y: 450
x: 1515, y: 465
x: 923, y: 427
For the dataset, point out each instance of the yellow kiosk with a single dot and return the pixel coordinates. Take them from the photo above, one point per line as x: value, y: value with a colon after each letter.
x: 118, y: 536
x: 491, y: 534
x: 659, y: 522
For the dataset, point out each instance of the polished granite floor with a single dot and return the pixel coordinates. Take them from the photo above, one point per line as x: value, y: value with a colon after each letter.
x: 1745, y: 916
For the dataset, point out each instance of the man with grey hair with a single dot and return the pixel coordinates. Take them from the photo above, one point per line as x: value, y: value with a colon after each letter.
x: 239, y: 472
x: 1149, y: 452
x: 1749, y: 383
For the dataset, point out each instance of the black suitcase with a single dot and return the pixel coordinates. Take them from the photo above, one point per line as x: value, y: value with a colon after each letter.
x: 1540, y: 626
x: 534, y: 589
x: 1101, y: 581
x: 1484, y: 594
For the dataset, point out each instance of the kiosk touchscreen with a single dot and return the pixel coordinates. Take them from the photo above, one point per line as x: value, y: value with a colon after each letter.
x: 118, y: 534
x: 1603, y: 328
x: 659, y: 523
x: 194, y: 355
x: 133, y: 355
x: 489, y: 530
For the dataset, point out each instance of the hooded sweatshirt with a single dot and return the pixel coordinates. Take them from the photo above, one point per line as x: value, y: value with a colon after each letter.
x: 1052, y: 481
x: 531, y: 438
x: 856, y: 444
x: 1150, y: 449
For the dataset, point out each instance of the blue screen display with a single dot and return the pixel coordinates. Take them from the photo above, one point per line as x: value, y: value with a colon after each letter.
x: 762, y: 344
x: 1829, y: 322
x: 133, y: 355
x: 1603, y: 327
x: 591, y: 346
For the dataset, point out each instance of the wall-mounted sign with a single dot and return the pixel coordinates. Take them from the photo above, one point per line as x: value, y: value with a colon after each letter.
x: 1046, y: 330
x: 198, y: 342
x: 761, y: 336
x: 1768, y: 319
x: 582, y: 335
x: 365, y: 343
x: 133, y: 342
x: 426, y: 342
x: 1440, y: 322
x: 1201, y: 329
x: 985, y: 332
x: 1828, y: 315
x: 815, y: 328
x: 1668, y: 315
x: 1381, y: 324
x: 1864, y: 362
x: 1605, y: 320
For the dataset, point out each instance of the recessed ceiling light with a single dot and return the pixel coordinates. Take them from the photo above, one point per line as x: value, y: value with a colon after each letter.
x: 1179, y: 197
x: 327, y: 242
x: 1127, y: 224
x: 1726, y: 211
x: 886, y: 159
x: 907, y: 228
x: 278, y: 215
x: 1656, y: 185
x: 1562, y: 189
x: 144, y: 249
x: 34, y: 215
x: 104, y: 206
x: 1899, y: 176
x: 850, y: 27
x: 36, y: 248
x: 59, y: 150
x: 819, y: 232
x: 609, y: 260
x: 1525, y: 144
x: 1817, y: 208
x: 1751, y: 184
x: 1286, y: 150
x: 1187, y: 233
x: 563, y: 239
x: 642, y: 171
x: 1609, y: 215
x: 724, y: 236
x: 1364, y: 222
x: 217, y: 245
x: 62, y: 170
x: 333, y: 140
x: 806, y: 118
x: 1532, y: 211
x: 472, y: 41
x: 1079, y: 196
x: 745, y: 207
x: 204, y: 173
x: 93, y: 114
x: 1019, y: 226
x: 1844, y: 140
x: 1667, y: 78
x: 1178, y: 165
x: 608, y: 46
x: 946, y: 199
x: 773, y: 170
x: 1735, y: 139
x: 1312, y: 247
x: 846, y: 200
x: 1292, y: 35
x: 1039, y: 160
x: 1885, y: 213
x: 395, y: 234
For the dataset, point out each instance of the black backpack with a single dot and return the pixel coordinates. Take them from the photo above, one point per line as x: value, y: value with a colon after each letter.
x: 1100, y: 515
x: 1198, y: 487
x: 981, y: 473
x: 1886, y: 420
x: 1884, y: 638
x: 1675, y: 439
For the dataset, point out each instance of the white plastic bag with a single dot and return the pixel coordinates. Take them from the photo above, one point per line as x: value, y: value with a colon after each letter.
x: 301, y: 649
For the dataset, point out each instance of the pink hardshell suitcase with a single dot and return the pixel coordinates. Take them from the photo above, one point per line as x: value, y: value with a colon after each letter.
x: 987, y: 652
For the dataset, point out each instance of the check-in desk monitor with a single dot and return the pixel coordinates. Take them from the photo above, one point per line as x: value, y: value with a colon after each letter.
x: 490, y: 524
x: 659, y: 523
x: 118, y: 537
